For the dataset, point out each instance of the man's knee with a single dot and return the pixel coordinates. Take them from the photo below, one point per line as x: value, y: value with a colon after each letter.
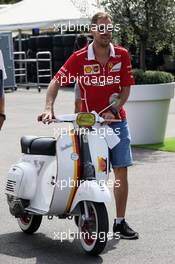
x: 121, y: 173
x: 120, y: 170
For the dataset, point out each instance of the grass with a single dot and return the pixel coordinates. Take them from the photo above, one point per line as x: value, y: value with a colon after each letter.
x: 167, y: 145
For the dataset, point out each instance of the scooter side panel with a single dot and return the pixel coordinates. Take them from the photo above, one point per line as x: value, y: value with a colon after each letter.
x: 67, y: 174
x: 20, y: 177
x: 46, y: 169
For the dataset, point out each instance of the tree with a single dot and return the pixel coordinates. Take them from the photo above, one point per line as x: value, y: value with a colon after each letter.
x: 2, y: 2
x: 151, y: 23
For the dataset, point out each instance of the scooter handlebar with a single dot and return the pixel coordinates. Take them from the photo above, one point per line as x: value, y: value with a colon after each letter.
x: 73, y: 118
x: 65, y: 118
x: 69, y: 118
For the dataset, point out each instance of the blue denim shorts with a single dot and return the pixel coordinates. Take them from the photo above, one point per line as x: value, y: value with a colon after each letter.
x: 121, y: 155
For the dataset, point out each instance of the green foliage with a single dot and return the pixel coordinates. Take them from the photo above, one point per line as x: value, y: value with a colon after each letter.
x: 147, y: 22
x: 167, y: 145
x: 152, y: 77
x: 3, y: 2
x: 145, y: 18
x: 138, y: 76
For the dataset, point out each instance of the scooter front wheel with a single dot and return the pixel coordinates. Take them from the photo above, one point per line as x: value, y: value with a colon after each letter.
x: 93, y: 232
x: 29, y: 223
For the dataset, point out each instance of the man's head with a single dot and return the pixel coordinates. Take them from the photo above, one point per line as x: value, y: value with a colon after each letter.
x: 101, y: 28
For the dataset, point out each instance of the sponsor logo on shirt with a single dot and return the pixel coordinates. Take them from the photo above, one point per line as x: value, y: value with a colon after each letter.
x: 96, y: 68
x: 116, y: 67
x: 92, y: 69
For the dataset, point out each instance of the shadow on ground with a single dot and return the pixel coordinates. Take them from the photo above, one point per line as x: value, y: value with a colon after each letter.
x: 46, y: 250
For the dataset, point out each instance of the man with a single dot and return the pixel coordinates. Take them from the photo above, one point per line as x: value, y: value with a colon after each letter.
x: 98, y: 61
x: 2, y: 100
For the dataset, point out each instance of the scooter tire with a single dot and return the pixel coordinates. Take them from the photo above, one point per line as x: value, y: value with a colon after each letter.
x: 76, y: 219
x: 95, y: 247
x: 29, y: 224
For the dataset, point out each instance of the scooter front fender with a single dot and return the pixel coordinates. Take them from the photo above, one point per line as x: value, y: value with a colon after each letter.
x: 91, y: 191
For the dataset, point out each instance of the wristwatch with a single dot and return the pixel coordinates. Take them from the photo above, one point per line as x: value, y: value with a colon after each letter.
x: 3, y: 115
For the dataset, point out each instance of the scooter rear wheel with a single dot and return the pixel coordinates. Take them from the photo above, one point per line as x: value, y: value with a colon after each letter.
x: 93, y: 232
x: 29, y: 223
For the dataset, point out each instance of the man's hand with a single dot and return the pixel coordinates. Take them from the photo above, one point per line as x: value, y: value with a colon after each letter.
x: 1, y: 121
x: 2, y: 109
x: 109, y: 116
x: 46, y: 117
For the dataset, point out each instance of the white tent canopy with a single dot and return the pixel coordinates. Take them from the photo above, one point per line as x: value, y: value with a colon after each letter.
x: 89, y: 7
x: 29, y: 14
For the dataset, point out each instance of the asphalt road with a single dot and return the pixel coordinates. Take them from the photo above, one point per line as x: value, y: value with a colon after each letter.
x: 150, y: 209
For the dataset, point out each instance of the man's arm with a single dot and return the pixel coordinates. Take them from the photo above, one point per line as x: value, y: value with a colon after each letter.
x: 62, y: 77
x: 52, y: 91
x: 125, y: 92
x: 2, y: 109
x: 123, y: 99
x: 2, y: 99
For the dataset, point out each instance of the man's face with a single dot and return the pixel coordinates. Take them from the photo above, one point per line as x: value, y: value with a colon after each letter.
x: 102, y: 32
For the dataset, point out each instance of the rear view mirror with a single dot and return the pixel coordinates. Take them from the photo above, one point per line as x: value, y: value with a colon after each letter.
x: 114, y: 100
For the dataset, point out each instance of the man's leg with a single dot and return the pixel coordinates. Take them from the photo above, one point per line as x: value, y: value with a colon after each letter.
x: 121, y: 190
x: 121, y: 158
x: 121, y: 195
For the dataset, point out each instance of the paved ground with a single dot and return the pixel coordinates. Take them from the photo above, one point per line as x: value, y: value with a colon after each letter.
x: 150, y: 210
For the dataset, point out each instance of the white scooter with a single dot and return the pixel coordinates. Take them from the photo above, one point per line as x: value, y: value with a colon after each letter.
x: 64, y: 177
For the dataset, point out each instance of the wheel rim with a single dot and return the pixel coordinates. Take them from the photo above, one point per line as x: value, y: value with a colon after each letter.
x: 89, y: 230
x: 25, y: 220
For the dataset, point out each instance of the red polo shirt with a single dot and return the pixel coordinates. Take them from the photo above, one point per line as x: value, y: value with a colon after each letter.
x: 97, y: 82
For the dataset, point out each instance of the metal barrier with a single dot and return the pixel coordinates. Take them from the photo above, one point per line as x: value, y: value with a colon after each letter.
x: 20, y: 67
x: 21, y: 72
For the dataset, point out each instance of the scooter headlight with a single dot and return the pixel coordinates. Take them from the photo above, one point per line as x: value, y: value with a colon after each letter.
x: 85, y: 119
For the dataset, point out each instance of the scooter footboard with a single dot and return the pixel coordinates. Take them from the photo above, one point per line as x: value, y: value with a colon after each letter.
x: 91, y: 191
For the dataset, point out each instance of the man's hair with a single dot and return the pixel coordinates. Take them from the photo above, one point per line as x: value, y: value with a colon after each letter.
x: 98, y: 16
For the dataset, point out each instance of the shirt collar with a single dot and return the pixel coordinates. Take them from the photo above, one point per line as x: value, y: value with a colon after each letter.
x: 91, y: 55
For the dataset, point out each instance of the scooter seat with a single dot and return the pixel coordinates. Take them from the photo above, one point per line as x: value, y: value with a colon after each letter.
x: 38, y: 145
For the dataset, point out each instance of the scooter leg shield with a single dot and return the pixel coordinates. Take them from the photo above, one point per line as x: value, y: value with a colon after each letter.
x: 91, y: 191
